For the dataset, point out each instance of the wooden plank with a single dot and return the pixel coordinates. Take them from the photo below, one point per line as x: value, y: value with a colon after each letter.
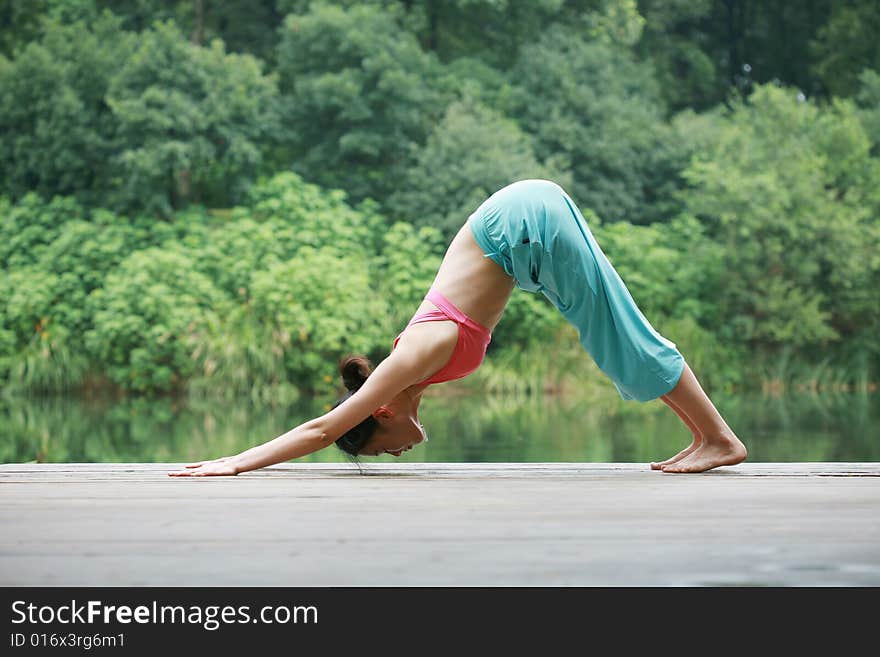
x: 455, y: 469
x: 320, y: 524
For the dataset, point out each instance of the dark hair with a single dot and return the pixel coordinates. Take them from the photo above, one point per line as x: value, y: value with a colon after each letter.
x: 354, y: 371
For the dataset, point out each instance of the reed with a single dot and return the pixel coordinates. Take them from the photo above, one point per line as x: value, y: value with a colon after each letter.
x: 560, y: 368
x: 236, y: 357
x: 47, y: 365
x: 784, y: 371
x: 239, y: 357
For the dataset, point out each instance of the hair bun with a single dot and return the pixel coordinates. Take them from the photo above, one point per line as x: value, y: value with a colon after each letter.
x: 354, y: 371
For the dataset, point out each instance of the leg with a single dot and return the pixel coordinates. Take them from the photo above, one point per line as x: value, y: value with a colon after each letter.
x: 580, y: 281
x: 698, y: 437
x: 719, y: 445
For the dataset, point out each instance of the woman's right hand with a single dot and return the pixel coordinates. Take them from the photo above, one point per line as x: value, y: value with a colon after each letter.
x: 223, y: 467
x: 201, y: 463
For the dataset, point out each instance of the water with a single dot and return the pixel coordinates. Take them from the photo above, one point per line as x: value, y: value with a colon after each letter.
x: 464, y: 428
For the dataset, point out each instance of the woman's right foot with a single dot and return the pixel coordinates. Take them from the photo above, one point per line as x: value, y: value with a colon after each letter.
x: 678, y: 457
x: 725, y: 449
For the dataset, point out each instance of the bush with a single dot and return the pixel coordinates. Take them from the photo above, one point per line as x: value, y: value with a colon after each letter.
x: 788, y: 189
x: 148, y: 318
x: 319, y: 306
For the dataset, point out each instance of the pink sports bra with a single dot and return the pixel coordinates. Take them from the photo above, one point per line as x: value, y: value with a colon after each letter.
x: 473, y: 338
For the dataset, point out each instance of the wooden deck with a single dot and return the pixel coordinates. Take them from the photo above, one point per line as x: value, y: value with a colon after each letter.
x: 409, y: 524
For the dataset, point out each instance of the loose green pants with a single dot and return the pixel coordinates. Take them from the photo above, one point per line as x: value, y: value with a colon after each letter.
x: 535, y: 232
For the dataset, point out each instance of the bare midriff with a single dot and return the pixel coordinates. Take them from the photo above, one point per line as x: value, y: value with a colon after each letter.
x: 477, y: 285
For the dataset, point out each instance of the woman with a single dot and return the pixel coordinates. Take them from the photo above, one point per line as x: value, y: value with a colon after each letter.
x: 530, y: 235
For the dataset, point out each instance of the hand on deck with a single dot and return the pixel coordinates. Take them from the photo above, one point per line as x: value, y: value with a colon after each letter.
x: 223, y: 466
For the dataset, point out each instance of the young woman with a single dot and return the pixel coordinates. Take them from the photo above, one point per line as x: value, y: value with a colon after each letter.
x: 530, y: 235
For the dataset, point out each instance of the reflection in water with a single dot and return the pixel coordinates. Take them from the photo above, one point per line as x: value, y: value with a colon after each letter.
x: 462, y: 428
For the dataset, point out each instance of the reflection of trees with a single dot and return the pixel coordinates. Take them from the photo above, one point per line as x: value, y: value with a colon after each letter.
x: 470, y: 427
x: 513, y: 428
x: 546, y: 428
x: 60, y: 429
x: 807, y: 427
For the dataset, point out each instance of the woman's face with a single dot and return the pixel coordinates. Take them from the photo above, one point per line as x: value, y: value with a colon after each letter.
x: 399, y: 427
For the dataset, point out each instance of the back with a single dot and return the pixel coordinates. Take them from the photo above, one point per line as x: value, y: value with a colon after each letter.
x: 474, y: 283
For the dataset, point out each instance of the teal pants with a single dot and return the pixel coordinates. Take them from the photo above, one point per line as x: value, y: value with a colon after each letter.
x: 537, y: 234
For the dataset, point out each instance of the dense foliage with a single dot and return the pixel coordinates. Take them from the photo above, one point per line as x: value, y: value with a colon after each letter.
x: 230, y: 196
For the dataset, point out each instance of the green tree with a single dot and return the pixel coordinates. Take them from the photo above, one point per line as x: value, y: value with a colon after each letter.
x: 592, y: 102
x: 54, y: 256
x: 472, y: 152
x: 291, y: 298
x: 21, y: 23
x: 672, y: 270
x: 846, y: 45
x: 787, y: 187
x: 359, y: 93
x: 761, y: 41
x: 29, y: 226
x: 283, y: 214
x: 149, y: 317
x: 57, y: 133
x: 489, y: 30
x: 193, y: 123
x: 244, y: 26
x: 24, y: 21
x: 304, y: 268
x: 675, y: 41
x: 868, y: 100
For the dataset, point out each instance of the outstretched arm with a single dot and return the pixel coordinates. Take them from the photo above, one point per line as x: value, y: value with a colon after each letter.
x: 405, y: 366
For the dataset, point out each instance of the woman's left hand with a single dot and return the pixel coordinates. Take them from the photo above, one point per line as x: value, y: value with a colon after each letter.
x: 224, y: 467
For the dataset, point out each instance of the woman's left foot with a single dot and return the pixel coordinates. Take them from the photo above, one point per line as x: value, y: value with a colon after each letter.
x: 722, y: 450
x: 687, y: 451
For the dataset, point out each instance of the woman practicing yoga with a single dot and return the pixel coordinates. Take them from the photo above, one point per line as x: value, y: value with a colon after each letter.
x: 531, y: 235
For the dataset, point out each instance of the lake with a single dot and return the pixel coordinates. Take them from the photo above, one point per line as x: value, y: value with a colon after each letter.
x: 461, y: 427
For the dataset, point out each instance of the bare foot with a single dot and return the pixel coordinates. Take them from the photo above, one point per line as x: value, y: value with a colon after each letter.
x: 721, y: 450
x: 678, y: 457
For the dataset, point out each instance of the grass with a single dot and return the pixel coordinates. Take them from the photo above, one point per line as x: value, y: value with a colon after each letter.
x: 561, y: 368
x: 243, y: 359
x: 47, y: 366
x: 783, y: 373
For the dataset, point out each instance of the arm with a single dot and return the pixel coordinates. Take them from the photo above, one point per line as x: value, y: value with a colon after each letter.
x: 409, y: 363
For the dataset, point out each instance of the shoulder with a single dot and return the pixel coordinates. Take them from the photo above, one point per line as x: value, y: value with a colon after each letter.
x: 419, y: 354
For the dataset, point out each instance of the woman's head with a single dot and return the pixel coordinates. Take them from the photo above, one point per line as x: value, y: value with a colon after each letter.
x: 354, y: 371
x: 393, y: 428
